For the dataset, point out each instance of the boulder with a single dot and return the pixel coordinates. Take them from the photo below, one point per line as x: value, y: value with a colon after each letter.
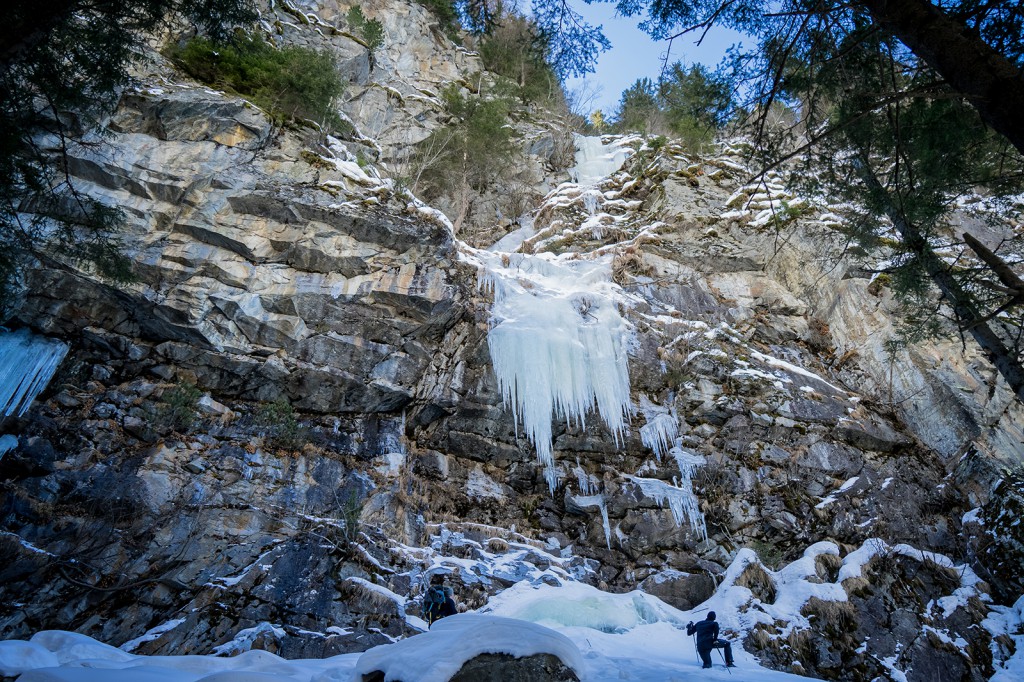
x: 682, y: 590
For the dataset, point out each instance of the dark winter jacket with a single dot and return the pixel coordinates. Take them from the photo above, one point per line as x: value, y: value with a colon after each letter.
x: 707, y: 633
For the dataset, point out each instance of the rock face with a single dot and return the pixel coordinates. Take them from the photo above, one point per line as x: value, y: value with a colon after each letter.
x: 253, y: 270
x: 275, y: 270
x: 505, y: 668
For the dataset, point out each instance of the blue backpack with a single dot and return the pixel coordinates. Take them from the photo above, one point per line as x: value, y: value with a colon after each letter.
x: 433, y: 600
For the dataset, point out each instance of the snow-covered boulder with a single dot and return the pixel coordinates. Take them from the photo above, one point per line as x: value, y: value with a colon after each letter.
x: 461, y: 647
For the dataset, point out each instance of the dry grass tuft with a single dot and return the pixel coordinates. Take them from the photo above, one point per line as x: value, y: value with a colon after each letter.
x: 857, y: 587
x: 801, y: 642
x: 760, y: 638
x: 497, y: 545
x: 827, y: 567
x: 757, y: 580
x: 834, y: 618
x: 944, y: 575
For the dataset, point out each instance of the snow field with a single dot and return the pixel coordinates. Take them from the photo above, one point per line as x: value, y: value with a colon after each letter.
x: 604, y: 637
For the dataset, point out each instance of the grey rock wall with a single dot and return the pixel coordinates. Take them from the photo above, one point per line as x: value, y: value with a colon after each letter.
x: 271, y: 265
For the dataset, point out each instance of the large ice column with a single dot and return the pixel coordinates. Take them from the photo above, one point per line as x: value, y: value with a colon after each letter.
x: 557, y: 343
x: 595, y: 160
x: 27, y: 363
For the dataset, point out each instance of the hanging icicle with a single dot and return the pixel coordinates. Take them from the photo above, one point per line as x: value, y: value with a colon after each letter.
x: 27, y: 363
x: 557, y: 343
x: 661, y: 429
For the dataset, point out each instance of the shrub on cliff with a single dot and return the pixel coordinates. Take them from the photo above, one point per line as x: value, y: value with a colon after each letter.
x: 468, y: 155
x: 370, y: 30
x: 279, y: 425
x: 446, y: 14
x: 178, y: 409
x: 288, y: 82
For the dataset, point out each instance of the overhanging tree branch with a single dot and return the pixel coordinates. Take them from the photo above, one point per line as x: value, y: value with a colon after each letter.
x: 1006, y: 361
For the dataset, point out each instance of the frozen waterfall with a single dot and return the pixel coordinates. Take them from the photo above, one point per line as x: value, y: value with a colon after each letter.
x: 27, y: 363
x: 557, y: 343
x: 596, y: 160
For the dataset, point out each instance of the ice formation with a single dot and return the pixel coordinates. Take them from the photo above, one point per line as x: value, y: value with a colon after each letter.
x: 598, y: 501
x: 557, y: 343
x: 7, y: 443
x: 27, y: 363
x: 680, y: 499
x: 660, y: 431
x: 596, y: 160
x: 586, y: 483
x: 579, y: 605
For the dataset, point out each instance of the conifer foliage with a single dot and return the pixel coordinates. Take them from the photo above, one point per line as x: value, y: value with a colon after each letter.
x: 691, y: 104
x: 62, y: 66
x: 468, y: 155
x: 912, y: 106
x: 290, y: 82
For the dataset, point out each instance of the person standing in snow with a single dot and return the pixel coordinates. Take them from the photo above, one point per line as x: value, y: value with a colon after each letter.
x: 438, y: 601
x: 707, y: 639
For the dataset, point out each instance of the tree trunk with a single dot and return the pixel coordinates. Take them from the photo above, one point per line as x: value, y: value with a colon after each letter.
x: 1006, y: 360
x: 986, y: 78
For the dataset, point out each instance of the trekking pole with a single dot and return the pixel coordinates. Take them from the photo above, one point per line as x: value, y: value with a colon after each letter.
x: 722, y: 654
x: 696, y: 651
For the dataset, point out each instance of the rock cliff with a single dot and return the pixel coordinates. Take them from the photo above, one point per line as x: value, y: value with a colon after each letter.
x: 348, y: 434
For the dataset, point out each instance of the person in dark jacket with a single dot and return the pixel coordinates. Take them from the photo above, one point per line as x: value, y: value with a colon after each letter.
x: 438, y: 601
x: 707, y: 639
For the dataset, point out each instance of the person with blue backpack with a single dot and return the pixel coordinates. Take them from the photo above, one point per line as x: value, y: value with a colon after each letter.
x: 437, y: 600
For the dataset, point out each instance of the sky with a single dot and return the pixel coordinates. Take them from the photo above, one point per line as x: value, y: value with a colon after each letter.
x: 635, y: 55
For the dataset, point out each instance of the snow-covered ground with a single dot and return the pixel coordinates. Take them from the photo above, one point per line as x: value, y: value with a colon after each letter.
x: 604, y: 637
x: 610, y: 638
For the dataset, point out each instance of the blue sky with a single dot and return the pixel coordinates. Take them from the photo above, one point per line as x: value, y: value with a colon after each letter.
x: 635, y: 55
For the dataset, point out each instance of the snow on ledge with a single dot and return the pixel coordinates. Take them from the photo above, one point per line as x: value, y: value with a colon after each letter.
x: 463, y: 637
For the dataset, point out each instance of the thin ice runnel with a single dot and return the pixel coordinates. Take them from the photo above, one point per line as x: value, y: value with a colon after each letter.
x: 598, y: 501
x: 27, y: 363
x: 557, y: 344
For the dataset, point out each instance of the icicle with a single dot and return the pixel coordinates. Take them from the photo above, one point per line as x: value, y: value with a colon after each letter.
x: 27, y: 363
x: 597, y: 501
x: 557, y: 343
x: 7, y: 443
x: 661, y: 429
x: 607, y: 526
x: 682, y: 501
x: 586, y: 483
